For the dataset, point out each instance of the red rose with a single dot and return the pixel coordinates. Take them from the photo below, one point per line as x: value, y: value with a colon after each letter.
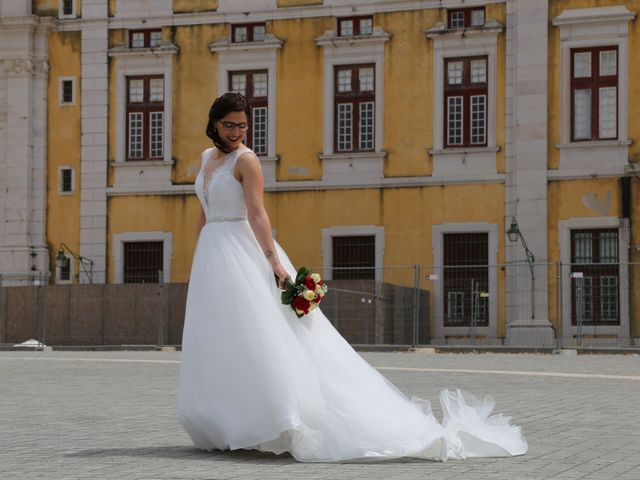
x: 300, y: 303
x: 317, y: 299
x: 309, y: 283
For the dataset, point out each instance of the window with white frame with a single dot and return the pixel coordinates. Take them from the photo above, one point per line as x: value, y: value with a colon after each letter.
x: 353, y: 26
x: 142, y: 257
x: 351, y: 252
x: 67, y: 9
x: 464, y: 100
x: 594, y: 78
x: 355, y: 105
x: 64, y: 273
x: 143, y: 262
x: 145, y: 117
x: 67, y: 91
x: 465, y: 17
x: 149, y: 38
x: 354, y: 257
x: 248, y: 32
x: 465, y: 97
x: 253, y: 84
x: 594, y: 93
x: 66, y: 180
x: 595, y: 293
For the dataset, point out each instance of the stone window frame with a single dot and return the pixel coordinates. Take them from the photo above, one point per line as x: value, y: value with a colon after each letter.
x: 61, y: 192
x: 258, y: 55
x: 437, y: 238
x: 352, y: 230
x: 74, y: 10
x: 119, y: 239
x: 584, y: 28
x: 565, y: 227
x: 352, y: 168
x: 72, y: 262
x: 455, y: 161
x: 74, y: 91
x: 142, y: 175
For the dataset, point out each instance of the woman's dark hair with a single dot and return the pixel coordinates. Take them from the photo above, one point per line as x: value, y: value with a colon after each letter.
x: 222, y: 106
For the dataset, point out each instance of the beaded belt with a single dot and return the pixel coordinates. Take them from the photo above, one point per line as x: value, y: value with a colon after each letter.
x: 226, y: 219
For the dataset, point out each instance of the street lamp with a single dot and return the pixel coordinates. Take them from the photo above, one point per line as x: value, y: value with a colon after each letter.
x: 62, y: 261
x: 513, y: 234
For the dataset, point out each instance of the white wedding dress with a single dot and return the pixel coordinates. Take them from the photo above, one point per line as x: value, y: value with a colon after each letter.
x: 254, y: 376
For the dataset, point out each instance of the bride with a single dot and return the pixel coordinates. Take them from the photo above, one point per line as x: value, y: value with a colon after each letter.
x: 254, y: 376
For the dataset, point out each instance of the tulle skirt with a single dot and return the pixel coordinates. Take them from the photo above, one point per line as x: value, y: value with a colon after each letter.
x: 255, y: 376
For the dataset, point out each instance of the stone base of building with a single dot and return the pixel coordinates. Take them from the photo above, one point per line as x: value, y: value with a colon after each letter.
x: 527, y: 334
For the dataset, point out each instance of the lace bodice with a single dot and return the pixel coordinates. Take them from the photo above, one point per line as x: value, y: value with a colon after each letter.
x: 220, y: 193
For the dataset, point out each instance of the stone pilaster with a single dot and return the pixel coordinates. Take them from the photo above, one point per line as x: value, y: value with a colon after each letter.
x: 526, y: 171
x: 93, y: 169
x: 24, y: 256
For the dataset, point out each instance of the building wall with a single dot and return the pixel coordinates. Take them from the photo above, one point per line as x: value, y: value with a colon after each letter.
x: 63, y: 211
x: 303, y: 200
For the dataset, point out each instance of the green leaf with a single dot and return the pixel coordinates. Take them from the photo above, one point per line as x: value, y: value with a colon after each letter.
x: 302, y: 274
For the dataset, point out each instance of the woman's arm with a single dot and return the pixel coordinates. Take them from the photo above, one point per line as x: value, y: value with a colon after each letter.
x: 250, y: 173
x: 203, y: 220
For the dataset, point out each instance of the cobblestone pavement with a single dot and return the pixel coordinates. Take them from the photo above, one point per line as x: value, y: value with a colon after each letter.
x: 111, y: 415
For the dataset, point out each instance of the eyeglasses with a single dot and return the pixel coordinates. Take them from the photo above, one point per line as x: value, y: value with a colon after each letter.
x: 230, y: 126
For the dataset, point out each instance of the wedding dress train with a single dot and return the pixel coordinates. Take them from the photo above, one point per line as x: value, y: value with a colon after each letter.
x: 255, y: 376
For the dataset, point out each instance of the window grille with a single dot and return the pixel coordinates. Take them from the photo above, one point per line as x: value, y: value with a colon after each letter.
x: 354, y: 126
x: 595, y: 295
x: 143, y: 262
x: 354, y: 257
x: 594, y: 93
x: 465, y: 278
x: 254, y: 85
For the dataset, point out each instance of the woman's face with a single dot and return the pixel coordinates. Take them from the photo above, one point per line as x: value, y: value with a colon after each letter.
x: 232, y: 128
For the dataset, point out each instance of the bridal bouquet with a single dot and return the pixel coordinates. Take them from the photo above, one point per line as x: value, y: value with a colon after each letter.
x: 305, y: 293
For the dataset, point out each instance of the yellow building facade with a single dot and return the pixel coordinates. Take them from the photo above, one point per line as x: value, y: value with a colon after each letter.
x: 392, y: 135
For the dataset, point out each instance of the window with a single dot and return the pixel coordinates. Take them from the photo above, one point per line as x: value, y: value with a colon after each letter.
x: 64, y: 273
x: 465, y: 102
x: 66, y: 180
x: 354, y: 108
x: 253, y: 84
x: 466, y: 279
x: 465, y: 17
x: 143, y: 262
x: 67, y: 9
x: 595, y: 294
x: 145, y: 38
x: 594, y: 93
x: 250, y: 32
x: 145, y: 118
x: 67, y: 87
x: 354, y: 257
x: 352, y: 26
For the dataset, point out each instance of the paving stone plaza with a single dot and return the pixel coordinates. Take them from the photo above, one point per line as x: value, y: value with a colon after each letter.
x: 111, y: 415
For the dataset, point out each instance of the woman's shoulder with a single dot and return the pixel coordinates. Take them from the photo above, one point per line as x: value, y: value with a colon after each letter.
x: 206, y: 154
x: 248, y: 155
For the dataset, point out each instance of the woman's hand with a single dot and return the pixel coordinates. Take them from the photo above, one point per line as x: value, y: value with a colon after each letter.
x: 281, y: 273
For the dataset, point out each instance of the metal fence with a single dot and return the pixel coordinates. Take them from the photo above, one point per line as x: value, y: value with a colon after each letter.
x: 581, y: 304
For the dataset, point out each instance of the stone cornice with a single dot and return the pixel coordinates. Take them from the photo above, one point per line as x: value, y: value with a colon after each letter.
x: 32, y: 22
x: 224, y: 44
x: 124, y: 51
x: 332, y: 39
x: 612, y: 14
x: 490, y: 27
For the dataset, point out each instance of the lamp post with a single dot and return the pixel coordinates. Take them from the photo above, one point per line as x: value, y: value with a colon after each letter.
x: 513, y: 234
x: 62, y: 261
